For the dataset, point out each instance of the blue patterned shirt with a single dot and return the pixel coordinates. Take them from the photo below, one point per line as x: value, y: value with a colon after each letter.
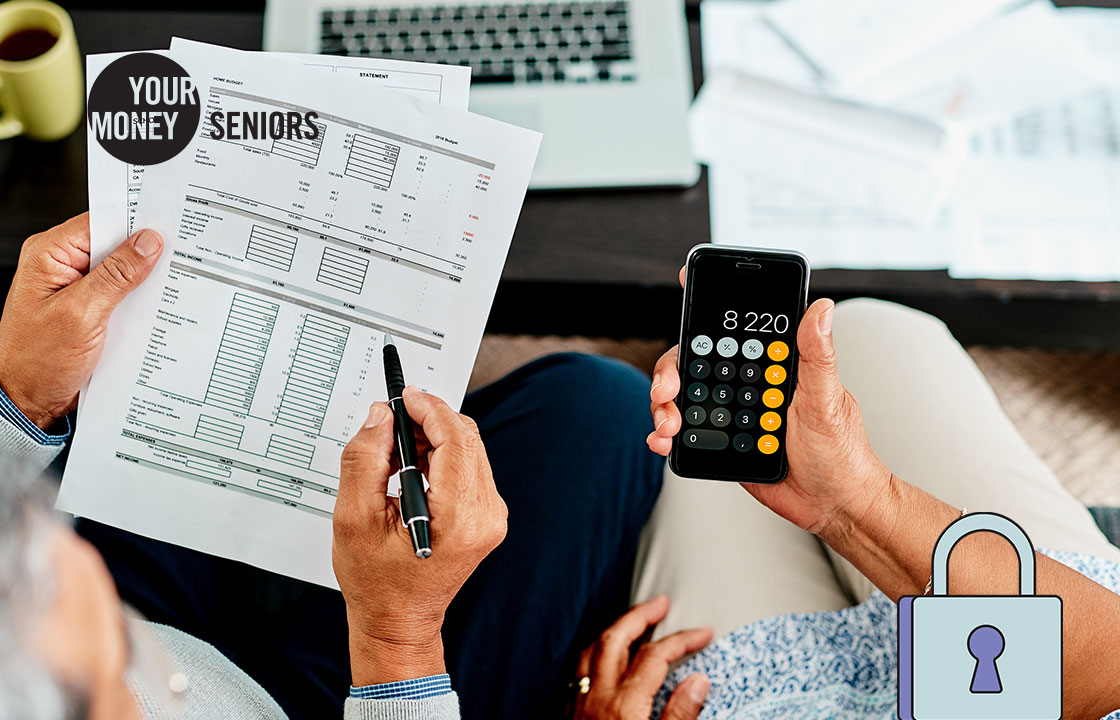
x: 840, y: 665
x: 15, y: 416
x: 418, y: 689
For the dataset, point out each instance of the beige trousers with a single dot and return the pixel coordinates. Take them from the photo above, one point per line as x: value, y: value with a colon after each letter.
x: 724, y: 560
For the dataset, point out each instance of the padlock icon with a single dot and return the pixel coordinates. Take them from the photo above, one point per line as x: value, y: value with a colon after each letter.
x: 980, y: 657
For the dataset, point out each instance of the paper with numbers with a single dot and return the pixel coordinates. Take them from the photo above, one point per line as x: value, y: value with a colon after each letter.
x: 233, y: 378
x: 114, y: 186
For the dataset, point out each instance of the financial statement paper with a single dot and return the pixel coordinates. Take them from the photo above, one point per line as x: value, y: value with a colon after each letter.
x: 232, y: 379
x: 114, y: 186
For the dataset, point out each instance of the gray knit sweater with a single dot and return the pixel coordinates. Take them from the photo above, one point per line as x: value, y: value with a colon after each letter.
x: 218, y: 689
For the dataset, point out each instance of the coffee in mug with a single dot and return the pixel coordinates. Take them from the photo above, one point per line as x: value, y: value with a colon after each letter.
x: 26, y: 44
x: 41, y: 88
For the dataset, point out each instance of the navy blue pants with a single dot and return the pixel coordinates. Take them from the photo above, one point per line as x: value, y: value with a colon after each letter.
x: 566, y: 439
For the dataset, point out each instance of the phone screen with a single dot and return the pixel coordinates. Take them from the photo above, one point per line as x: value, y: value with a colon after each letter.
x: 738, y: 363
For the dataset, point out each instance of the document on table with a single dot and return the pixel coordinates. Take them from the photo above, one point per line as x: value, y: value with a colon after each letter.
x: 1006, y: 64
x: 1099, y: 32
x: 1041, y: 194
x: 895, y: 164
x: 114, y: 186
x: 1042, y: 190
x: 232, y: 379
x: 848, y: 47
x: 737, y: 37
x: 748, y: 209
x: 1036, y: 193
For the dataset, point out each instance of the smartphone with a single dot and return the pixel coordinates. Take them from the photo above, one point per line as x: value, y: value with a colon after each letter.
x: 738, y: 362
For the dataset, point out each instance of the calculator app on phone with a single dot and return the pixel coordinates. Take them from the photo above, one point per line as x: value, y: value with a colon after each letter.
x: 738, y: 362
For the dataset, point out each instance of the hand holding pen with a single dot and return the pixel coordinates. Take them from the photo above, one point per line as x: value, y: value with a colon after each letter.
x: 395, y: 604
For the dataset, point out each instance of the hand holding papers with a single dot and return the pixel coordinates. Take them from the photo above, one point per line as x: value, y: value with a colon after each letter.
x: 231, y: 381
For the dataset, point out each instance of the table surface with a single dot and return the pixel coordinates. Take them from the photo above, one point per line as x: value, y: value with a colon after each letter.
x: 582, y: 262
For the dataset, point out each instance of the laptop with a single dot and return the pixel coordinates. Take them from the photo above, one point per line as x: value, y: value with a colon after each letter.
x: 608, y: 82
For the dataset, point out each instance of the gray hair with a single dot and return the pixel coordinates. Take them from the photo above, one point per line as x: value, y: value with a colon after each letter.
x: 27, y: 687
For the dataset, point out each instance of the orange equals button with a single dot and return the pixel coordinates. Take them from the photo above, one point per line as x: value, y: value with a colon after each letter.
x: 768, y: 444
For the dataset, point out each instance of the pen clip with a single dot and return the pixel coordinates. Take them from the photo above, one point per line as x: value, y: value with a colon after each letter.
x: 400, y: 492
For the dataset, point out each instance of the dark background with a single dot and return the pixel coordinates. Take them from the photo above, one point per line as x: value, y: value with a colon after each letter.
x: 582, y: 262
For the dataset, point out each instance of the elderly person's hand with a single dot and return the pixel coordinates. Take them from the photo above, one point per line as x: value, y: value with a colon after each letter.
x: 833, y: 472
x: 57, y: 312
x: 395, y: 602
x: 887, y: 528
x: 619, y: 686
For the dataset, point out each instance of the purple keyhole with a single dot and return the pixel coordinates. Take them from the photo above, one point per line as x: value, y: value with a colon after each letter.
x: 985, y: 643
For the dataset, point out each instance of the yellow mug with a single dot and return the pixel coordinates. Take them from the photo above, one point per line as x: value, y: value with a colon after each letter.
x: 41, y: 88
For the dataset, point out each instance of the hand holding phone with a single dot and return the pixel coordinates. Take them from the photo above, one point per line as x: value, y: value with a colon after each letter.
x: 738, y: 362
x: 833, y: 472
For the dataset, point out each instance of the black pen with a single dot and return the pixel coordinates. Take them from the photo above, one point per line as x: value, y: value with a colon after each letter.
x: 414, y: 503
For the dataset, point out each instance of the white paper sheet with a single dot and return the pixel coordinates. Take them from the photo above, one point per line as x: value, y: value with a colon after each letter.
x: 114, y: 186
x: 1003, y: 66
x: 1043, y: 221
x: 1035, y: 195
x: 848, y: 43
x: 897, y: 165
x: 766, y: 213
x: 232, y: 379
x: 737, y: 37
x: 749, y: 211
x: 1041, y: 194
x: 1006, y: 64
x: 1099, y: 31
x: 1043, y: 189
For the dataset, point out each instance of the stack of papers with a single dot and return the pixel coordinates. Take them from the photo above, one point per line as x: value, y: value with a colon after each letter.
x: 232, y: 379
x: 880, y: 159
x: 1021, y: 183
x: 848, y: 45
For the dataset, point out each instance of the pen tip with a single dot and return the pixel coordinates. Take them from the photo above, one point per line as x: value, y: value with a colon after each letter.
x: 421, y: 538
x: 389, y: 339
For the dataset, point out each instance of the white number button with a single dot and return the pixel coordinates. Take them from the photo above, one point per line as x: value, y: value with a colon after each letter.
x: 701, y: 344
x: 727, y: 347
x: 752, y: 349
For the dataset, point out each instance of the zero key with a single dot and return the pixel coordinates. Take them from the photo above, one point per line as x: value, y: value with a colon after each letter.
x: 705, y: 439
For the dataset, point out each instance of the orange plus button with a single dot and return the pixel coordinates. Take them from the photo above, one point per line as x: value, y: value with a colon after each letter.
x: 775, y: 374
x: 768, y: 444
x: 778, y: 351
x: 770, y: 421
x: 772, y: 398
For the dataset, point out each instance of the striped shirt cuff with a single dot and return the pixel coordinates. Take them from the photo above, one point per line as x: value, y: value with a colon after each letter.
x: 15, y: 416
x: 417, y: 689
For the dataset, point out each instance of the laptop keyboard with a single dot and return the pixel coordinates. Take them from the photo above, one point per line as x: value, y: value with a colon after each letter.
x: 502, y: 43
